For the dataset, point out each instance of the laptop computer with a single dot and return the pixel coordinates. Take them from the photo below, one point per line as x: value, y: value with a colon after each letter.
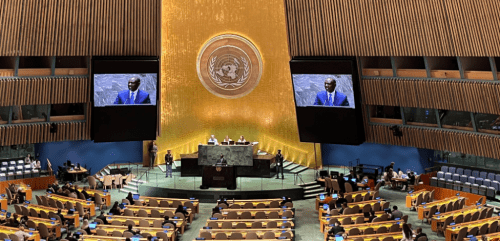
x: 335, y: 196
x: 346, y: 178
x: 211, y: 143
x: 322, y: 197
x: 353, y: 179
x: 92, y: 225
x: 136, y: 196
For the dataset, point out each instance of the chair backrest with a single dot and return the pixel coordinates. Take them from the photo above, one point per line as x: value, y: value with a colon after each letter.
x: 143, y: 223
x: 236, y: 236
x: 358, y: 198
x: 484, y: 229
x: 116, y: 233
x: 101, y: 232
x: 220, y: 236
x: 493, y: 227
x: 475, y: 216
x: 473, y: 231
x: 250, y: 235
x: 467, y: 172
x: 43, y: 230
x: 33, y: 213
x: 382, y: 229
x: 116, y: 223
x: 467, y: 218
x: 142, y: 213
x: 461, y: 234
x: 444, y: 168
x: 483, y: 213
x: 260, y: 215
x: 459, y: 219
x: 394, y: 228
x: 13, y: 237
x: 459, y: 171
x: 31, y: 224
x: 92, y: 182
x: 235, y: 206
x: 431, y: 212
x: 256, y: 225
x: 268, y: 235
x: 451, y: 169
x: 274, y: 204
x: 155, y: 213
x: 353, y: 231
x: 129, y: 213
x: 348, y: 187
x: 131, y: 222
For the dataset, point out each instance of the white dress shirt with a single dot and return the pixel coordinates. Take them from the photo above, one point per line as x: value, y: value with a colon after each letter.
x: 214, y: 141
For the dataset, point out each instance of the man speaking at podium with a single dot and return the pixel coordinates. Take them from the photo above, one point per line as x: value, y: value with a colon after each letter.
x: 133, y: 95
x: 221, y: 161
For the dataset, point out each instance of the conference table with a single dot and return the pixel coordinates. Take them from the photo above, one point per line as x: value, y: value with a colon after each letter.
x: 248, y: 222
x: 260, y: 232
x: 75, y: 172
x: 353, y: 195
x: 410, y: 197
x: 110, y: 228
x: 488, y: 237
x: 254, y: 202
x: 106, y: 238
x: 439, y: 219
x: 323, y: 212
x: 53, y: 225
x: 75, y: 217
x: 253, y: 211
x: 135, y: 209
x: 452, y: 231
x: 33, y: 235
x: 423, y: 208
x: 325, y: 220
x: 87, y: 205
x: 363, y: 226
x: 195, y: 202
x: 180, y: 224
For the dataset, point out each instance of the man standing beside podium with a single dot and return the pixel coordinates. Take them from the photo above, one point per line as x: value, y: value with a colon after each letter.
x: 279, y: 165
x: 168, y: 163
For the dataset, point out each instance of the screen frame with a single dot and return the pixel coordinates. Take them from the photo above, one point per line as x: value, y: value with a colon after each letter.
x: 126, y: 65
x: 354, y: 116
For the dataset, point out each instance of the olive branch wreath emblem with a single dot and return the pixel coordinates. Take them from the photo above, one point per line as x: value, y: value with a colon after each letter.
x: 240, y: 82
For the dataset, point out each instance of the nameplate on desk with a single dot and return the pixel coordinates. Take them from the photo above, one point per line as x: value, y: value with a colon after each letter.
x: 218, y: 178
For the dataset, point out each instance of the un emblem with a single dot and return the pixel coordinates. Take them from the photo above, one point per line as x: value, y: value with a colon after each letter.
x: 229, y: 66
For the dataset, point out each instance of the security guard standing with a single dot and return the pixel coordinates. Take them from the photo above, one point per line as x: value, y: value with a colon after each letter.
x: 279, y: 165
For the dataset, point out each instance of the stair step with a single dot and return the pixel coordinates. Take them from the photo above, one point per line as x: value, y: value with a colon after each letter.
x: 291, y: 167
x: 130, y: 188
x: 287, y: 163
x: 127, y: 191
x: 177, y: 163
x: 317, y: 190
x: 299, y: 170
x: 107, y: 171
x: 139, y: 181
x: 312, y: 187
x: 314, y: 195
x: 308, y: 184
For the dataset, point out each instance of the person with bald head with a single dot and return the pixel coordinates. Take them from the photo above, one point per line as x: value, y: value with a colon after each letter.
x: 331, y: 97
x: 133, y: 95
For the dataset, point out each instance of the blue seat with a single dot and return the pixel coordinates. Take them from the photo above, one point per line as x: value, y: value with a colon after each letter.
x: 449, y: 184
x: 460, y: 171
x: 452, y: 169
x: 463, y: 179
x: 467, y: 172
x: 482, y: 190
x: 474, y: 188
x: 457, y: 185
x: 440, y: 175
x: 441, y: 182
x: 471, y: 179
x: 491, y: 192
x: 434, y: 181
x: 456, y: 177
x: 491, y: 176
x: 475, y: 173
x: 497, y: 177
x: 466, y: 187
x: 444, y: 168
x: 487, y: 182
x: 479, y: 181
x: 447, y: 175
x: 483, y: 175
x: 495, y: 184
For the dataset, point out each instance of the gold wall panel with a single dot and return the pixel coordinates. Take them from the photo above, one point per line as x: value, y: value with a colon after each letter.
x: 190, y: 113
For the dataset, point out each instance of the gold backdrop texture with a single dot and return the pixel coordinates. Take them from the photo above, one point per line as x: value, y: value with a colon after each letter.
x: 190, y: 113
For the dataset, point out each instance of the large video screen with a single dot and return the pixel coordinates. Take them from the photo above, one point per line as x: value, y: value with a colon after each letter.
x: 125, y: 98
x: 327, y: 100
x: 323, y: 90
x: 125, y: 89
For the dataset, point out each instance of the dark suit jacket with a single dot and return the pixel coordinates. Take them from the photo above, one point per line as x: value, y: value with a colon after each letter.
x: 222, y: 162
x: 420, y: 235
x: 335, y: 229
x: 338, y: 100
x: 168, y: 159
x: 279, y: 159
x: 141, y: 98
x: 87, y: 196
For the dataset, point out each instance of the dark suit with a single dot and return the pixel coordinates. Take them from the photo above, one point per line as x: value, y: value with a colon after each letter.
x: 124, y: 96
x: 338, y: 100
x: 85, y: 194
x: 279, y: 166
x: 221, y: 161
x: 169, y: 160
x: 336, y: 229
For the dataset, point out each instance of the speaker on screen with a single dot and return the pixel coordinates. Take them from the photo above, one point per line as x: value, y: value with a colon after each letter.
x: 124, y: 103
x: 327, y: 100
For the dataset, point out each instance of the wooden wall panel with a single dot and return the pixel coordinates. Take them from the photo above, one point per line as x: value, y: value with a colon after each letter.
x: 34, y: 91
x: 437, y: 139
x: 393, y: 28
x: 479, y: 97
x: 79, y: 27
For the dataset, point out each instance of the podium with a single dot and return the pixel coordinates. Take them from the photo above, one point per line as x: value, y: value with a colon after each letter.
x: 219, y: 176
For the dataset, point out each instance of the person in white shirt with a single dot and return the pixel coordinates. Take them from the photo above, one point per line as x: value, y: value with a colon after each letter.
x: 227, y: 139
x: 27, y: 160
x: 242, y: 139
x: 212, y: 139
x: 21, y: 235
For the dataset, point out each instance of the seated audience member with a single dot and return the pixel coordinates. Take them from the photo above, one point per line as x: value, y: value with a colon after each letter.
x: 222, y: 200
x: 410, y: 180
x: 370, y: 215
x: 13, y: 221
x: 180, y: 209
x: 85, y: 225
x: 389, y: 213
x: 149, y: 238
x: 132, y: 231
x: 287, y: 199
x: 27, y: 159
x: 343, y: 208
x: 396, y: 213
x: 24, y: 221
x: 70, y: 237
x: 340, y: 200
x: 130, y: 198
x: 115, y: 210
x: 102, y: 217
x: 21, y: 235
x: 37, y: 165
x: 215, y: 210
x: 86, y: 195
x: 341, y: 182
x: 388, y: 178
x: 407, y: 233
x: 336, y: 229
x: 419, y: 233
x: 167, y: 221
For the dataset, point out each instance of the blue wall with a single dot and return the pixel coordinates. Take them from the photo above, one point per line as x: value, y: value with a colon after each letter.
x: 377, y: 154
x: 94, y: 155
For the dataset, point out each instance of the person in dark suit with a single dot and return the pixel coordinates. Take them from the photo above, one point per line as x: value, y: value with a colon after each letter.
x: 341, y: 182
x: 169, y: 160
x: 132, y: 231
x: 221, y: 160
x: 133, y: 95
x: 102, y: 217
x: 330, y: 97
x: 167, y: 221
x: 279, y: 165
x: 419, y: 233
x: 85, y: 194
x: 336, y: 229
